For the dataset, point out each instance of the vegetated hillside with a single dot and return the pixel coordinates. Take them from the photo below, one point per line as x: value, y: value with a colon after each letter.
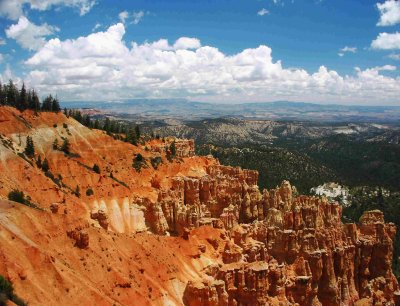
x: 356, y: 162
x: 307, y: 153
x: 240, y: 132
x: 274, y: 165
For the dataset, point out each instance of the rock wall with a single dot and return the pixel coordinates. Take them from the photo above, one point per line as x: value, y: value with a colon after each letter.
x: 302, y: 254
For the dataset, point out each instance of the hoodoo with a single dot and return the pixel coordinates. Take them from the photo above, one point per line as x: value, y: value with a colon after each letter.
x: 187, y: 231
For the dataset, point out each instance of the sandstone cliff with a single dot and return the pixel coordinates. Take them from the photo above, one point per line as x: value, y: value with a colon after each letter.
x: 233, y: 244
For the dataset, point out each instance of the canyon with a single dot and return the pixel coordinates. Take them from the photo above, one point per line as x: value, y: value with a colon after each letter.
x: 185, y: 231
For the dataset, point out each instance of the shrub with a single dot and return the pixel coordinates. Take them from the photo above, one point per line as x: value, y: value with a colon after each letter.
x: 96, y: 168
x: 7, y: 293
x: 45, y: 165
x: 65, y: 146
x: 138, y: 162
x: 65, y: 126
x: 16, y: 196
x: 156, y: 161
x: 77, y: 191
x: 89, y: 192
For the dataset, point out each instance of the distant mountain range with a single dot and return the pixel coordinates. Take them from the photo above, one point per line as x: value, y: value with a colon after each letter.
x: 151, y: 109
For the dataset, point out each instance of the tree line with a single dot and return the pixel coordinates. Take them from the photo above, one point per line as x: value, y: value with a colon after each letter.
x: 118, y: 130
x: 24, y: 98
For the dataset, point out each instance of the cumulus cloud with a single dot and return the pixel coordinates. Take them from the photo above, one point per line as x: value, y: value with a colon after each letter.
x: 389, y: 13
x: 13, y: 9
x: 263, y: 12
x: 387, y: 41
x: 29, y: 35
x: 102, y: 66
x: 135, y: 17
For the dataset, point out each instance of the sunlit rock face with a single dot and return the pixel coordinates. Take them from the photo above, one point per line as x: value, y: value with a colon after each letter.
x: 187, y: 232
x: 302, y: 254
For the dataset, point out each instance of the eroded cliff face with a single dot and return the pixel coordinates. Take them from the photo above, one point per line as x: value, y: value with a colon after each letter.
x: 233, y: 244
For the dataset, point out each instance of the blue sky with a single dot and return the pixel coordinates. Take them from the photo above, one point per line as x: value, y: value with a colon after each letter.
x: 319, y: 51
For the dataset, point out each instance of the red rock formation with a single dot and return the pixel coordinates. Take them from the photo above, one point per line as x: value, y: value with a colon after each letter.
x: 239, y: 246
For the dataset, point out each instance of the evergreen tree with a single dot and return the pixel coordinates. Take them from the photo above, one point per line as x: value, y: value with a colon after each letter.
x: 29, y: 148
x: 56, y: 105
x: 86, y: 121
x: 30, y: 100
x: 39, y: 162
x: 55, y: 144
x: 35, y: 102
x: 2, y: 95
x: 77, y: 191
x: 12, y: 94
x: 96, y: 168
x: 131, y: 137
x: 47, y: 104
x: 23, y: 98
x: 96, y: 124
x: 65, y: 146
x: 107, y: 125
x: 137, y: 131
x: 45, y: 165
x: 66, y: 112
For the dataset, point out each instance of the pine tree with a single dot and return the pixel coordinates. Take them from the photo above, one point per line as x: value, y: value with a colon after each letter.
x: 55, y: 144
x: 107, y: 125
x: 65, y: 146
x: 137, y: 131
x: 56, y: 105
x: 29, y: 148
x: 131, y: 137
x: 35, y: 102
x: 96, y: 168
x: 30, y: 100
x: 12, y: 94
x: 66, y: 112
x: 77, y: 191
x: 23, y: 98
x: 86, y: 121
x: 39, y: 162
x: 47, y: 104
x: 96, y: 124
x: 2, y: 95
x: 45, y: 165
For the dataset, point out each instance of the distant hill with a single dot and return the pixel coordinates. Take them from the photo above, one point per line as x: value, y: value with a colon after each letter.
x: 151, y: 109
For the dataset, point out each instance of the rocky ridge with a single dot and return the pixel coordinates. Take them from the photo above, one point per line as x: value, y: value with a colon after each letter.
x: 233, y: 244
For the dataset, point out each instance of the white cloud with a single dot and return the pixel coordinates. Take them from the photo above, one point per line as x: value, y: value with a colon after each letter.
x: 2, y: 42
x: 101, y: 66
x: 96, y: 26
x: 123, y: 16
x: 349, y: 49
x: 263, y: 12
x: 29, y: 35
x: 278, y: 2
x: 387, y: 41
x: 1, y: 58
x: 394, y: 56
x: 187, y: 43
x: 135, y: 17
x: 13, y: 9
x: 390, y: 13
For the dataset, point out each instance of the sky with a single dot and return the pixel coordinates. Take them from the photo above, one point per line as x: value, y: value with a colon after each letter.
x: 226, y: 51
